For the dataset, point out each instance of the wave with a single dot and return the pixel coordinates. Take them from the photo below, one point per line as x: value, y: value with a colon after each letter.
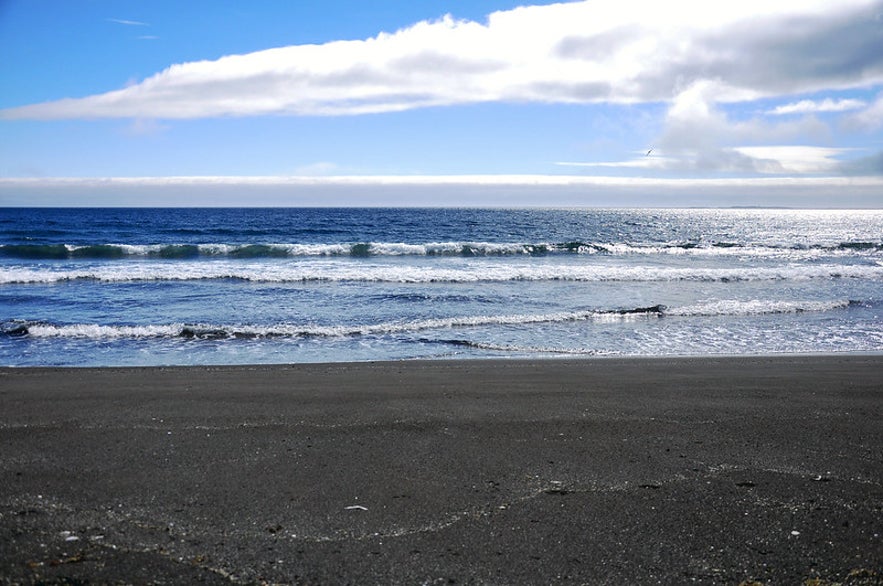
x: 35, y: 329
x: 16, y: 328
x: 757, y: 307
x: 455, y: 249
x: 388, y: 273
x: 516, y: 349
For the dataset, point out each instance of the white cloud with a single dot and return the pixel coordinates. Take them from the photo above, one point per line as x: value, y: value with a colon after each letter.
x: 699, y: 136
x: 597, y: 50
x: 793, y: 159
x: 764, y: 160
x: 826, y: 105
x: 127, y: 22
x: 544, y: 184
x: 869, y: 119
x: 644, y: 160
x: 542, y: 181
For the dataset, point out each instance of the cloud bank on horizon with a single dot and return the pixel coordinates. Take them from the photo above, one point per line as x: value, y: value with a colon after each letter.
x: 449, y: 190
x: 797, y: 68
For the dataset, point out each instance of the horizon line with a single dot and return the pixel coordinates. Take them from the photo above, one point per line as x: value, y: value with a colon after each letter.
x: 453, y: 179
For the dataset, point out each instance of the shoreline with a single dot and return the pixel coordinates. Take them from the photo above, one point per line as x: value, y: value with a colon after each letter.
x: 704, y: 469
x: 466, y: 360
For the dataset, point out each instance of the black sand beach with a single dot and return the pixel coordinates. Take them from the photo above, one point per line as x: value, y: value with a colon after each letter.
x: 637, y: 471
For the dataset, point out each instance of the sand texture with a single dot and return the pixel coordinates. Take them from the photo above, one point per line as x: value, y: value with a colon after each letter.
x: 635, y: 471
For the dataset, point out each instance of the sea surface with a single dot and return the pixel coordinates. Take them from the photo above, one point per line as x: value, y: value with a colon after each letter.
x: 244, y: 286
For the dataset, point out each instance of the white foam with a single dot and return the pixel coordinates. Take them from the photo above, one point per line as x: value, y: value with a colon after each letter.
x: 333, y: 271
x: 755, y: 307
x: 516, y: 349
x: 95, y: 331
x: 481, y: 248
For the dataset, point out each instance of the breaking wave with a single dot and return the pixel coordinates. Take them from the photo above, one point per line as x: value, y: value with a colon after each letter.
x: 517, y: 349
x: 456, y: 249
x: 208, y: 331
x: 35, y: 329
x: 757, y: 307
x: 317, y: 271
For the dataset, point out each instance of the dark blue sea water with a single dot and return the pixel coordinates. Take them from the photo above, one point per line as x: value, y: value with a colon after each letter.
x: 233, y: 286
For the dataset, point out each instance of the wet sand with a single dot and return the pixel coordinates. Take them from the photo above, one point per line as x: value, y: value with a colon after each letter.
x: 635, y: 471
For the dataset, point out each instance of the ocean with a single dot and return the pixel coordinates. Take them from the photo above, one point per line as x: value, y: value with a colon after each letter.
x: 114, y: 287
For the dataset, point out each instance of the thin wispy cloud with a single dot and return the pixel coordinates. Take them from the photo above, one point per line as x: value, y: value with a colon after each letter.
x: 145, y: 127
x: 794, y: 159
x: 628, y: 51
x: 763, y: 160
x: 810, y: 106
x: 640, y: 161
x: 127, y: 22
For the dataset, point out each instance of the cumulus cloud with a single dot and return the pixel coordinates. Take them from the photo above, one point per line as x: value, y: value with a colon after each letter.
x: 623, y: 51
x: 698, y: 136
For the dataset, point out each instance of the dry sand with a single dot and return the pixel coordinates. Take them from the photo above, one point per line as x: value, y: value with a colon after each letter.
x: 639, y: 471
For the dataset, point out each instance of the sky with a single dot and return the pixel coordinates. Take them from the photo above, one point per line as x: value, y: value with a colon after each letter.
x: 423, y: 102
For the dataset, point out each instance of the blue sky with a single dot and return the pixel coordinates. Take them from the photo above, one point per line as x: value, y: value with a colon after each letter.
x: 124, y: 102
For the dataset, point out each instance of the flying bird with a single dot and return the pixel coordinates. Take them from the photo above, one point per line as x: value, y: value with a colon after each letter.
x: 648, y: 153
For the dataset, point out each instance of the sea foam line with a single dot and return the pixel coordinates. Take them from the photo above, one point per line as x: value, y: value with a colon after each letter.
x: 756, y: 307
x: 209, y: 331
x: 21, y: 328
x: 331, y: 271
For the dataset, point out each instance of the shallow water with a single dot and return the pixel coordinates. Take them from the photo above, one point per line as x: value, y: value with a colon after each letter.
x: 223, y: 286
